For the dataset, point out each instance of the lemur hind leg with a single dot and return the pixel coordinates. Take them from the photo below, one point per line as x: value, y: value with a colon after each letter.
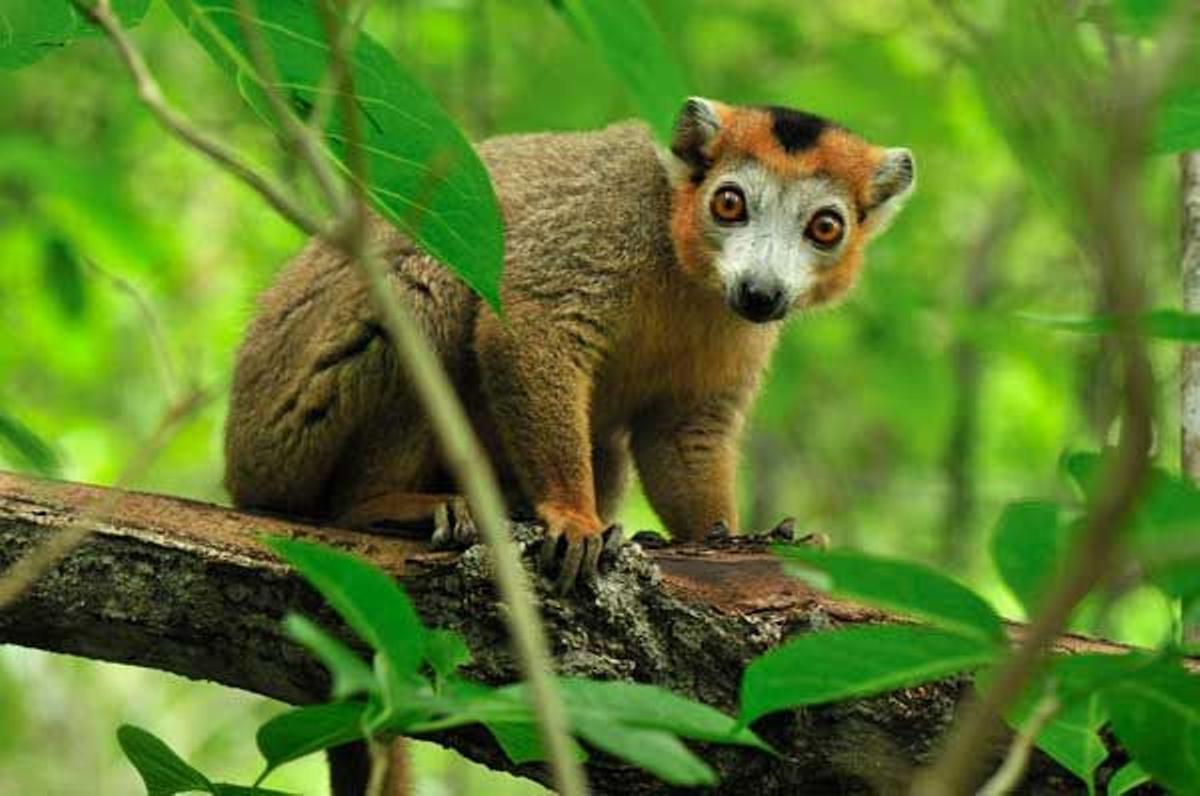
x: 446, y: 516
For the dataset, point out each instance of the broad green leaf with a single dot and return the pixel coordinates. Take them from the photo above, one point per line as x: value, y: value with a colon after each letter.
x: 651, y: 707
x: 446, y: 652
x: 656, y: 751
x: 1127, y: 778
x: 32, y: 29
x: 519, y: 740
x: 225, y: 789
x: 1027, y: 548
x: 370, y: 601
x: 1155, y: 713
x: 302, y: 731
x: 423, y: 175
x: 62, y: 273
x: 625, y: 35
x: 913, y: 589
x: 351, y: 675
x: 163, y: 771
x: 26, y: 447
x: 1072, y: 738
x: 856, y: 662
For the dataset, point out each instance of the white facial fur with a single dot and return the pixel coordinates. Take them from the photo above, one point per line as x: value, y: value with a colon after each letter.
x: 770, y: 247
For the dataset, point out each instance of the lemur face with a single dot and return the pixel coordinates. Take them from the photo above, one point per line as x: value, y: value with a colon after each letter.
x: 773, y: 207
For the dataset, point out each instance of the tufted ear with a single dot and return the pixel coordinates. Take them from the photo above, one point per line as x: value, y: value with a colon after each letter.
x: 893, y: 182
x: 695, y: 130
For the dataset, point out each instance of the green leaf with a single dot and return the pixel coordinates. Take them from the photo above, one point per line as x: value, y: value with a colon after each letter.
x: 1127, y: 778
x: 913, y: 589
x: 856, y: 662
x: 423, y: 175
x: 519, y: 740
x: 1155, y: 713
x: 1072, y: 738
x: 656, y: 751
x: 1162, y: 324
x: 27, y: 447
x: 651, y: 707
x: 302, y: 731
x: 624, y: 34
x: 446, y: 652
x: 370, y: 601
x: 32, y: 29
x: 163, y: 771
x: 351, y: 675
x: 62, y: 273
x: 1027, y: 548
x: 225, y: 789
x: 1179, y: 121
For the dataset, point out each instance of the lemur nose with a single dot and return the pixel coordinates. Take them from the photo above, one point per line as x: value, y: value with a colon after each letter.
x: 758, y: 301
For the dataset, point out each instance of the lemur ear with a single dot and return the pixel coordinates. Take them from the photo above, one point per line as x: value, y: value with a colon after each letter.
x: 695, y: 130
x: 893, y: 182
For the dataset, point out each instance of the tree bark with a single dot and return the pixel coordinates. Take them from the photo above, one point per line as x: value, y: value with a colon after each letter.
x: 186, y: 587
x: 1189, y: 172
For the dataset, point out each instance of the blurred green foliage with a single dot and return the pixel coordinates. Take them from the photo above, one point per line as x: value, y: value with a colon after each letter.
x: 858, y: 432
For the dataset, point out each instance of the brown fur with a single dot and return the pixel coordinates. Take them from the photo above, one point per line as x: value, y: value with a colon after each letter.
x: 614, y: 348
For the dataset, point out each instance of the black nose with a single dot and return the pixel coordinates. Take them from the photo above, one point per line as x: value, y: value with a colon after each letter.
x: 758, y: 301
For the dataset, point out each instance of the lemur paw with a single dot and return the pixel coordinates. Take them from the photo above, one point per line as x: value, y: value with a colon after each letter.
x: 453, y: 526
x: 568, y: 556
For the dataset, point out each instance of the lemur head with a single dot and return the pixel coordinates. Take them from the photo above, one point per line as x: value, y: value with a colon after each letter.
x: 774, y: 206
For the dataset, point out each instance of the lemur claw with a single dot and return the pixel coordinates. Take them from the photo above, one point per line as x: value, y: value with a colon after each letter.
x: 577, y: 560
x: 453, y: 526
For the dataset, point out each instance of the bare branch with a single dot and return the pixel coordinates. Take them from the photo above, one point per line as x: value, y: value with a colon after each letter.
x: 1012, y: 770
x: 16, y: 579
x: 189, y: 588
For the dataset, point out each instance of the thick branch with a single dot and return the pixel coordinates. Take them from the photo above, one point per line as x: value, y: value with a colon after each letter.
x: 186, y: 587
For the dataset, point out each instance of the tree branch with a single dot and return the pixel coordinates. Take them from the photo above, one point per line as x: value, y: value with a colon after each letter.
x: 187, y: 587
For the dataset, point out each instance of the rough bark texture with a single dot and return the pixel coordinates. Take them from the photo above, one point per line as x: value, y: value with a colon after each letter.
x: 1189, y: 183
x: 187, y: 588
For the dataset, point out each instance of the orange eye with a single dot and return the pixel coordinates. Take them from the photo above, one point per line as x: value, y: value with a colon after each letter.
x: 728, y: 205
x: 826, y: 228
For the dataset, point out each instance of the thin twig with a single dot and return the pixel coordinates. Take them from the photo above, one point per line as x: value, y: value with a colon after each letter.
x: 37, y: 562
x: 298, y: 138
x: 1107, y: 233
x: 380, y: 763
x: 1012, y: 770
x: 467, y: 460
x: 154, y: 328
x: 152, y: 97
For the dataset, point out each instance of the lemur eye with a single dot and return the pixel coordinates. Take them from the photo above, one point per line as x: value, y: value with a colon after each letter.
x: 728, y: 205
x: 826, y: 228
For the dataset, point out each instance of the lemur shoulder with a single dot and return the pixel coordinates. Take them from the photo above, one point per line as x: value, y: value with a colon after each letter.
x: 642, y: 291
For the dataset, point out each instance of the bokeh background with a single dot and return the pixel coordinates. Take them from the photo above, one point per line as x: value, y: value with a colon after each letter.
x: 899, y: 422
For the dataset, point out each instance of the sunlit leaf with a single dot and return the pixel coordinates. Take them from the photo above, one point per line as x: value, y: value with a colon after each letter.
x: 1027, y: 548
x: 370, y: 601
x: 26, y: 447
x: 163, y: 771
x: 302, y: 731
x: 1155, y: 713
x: 1073, y: 739
x: 856, y: 662
x: 624, y: 33
x: 903, y: 586
x: 351, y: 675
x: 423, y: 175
